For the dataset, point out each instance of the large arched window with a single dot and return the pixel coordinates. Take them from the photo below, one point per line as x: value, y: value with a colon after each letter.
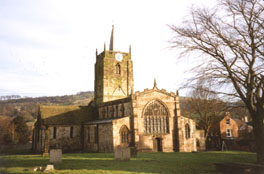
x: 187, y: 131
x: 124, y: 135
x: 155, y: 118
x: 118, y: 68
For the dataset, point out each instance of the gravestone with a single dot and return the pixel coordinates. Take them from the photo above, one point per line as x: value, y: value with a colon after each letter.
x: 122, y: 153
x: 49, y: 168
x: 55, y: 156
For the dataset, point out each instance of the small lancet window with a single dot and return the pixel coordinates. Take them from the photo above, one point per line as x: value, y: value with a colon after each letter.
x: 118, y: 69
x: 187, y: 131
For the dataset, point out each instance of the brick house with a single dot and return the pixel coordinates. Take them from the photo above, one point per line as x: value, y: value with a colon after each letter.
x: 233, y: 129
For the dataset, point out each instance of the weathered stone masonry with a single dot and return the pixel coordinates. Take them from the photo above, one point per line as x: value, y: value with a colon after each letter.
x: 150, y: 121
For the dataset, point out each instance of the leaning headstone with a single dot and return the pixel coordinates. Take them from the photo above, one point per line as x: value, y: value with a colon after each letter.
x: 50, y: 167
x: 55, y: 156
x: 122, y: 153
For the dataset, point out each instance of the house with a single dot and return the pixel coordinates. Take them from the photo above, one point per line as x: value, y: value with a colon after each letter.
x: 233, y: 130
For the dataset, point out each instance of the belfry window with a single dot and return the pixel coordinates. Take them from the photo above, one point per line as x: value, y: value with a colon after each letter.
x: 124, y: 134
x: 118, y: 69
x: 156, y: 119
x: 187, y: 131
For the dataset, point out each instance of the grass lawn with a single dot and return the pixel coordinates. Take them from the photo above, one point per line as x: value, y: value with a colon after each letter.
x: 175, y: 162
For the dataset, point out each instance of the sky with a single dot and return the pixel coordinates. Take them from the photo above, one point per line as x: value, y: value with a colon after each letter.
x: 47, y: 47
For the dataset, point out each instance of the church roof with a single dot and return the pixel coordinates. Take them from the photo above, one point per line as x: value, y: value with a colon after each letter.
x: 117, y: 101
x: 67, y: 115
x: 155, y: 88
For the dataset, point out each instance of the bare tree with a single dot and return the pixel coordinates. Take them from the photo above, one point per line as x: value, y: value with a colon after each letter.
x: 230, y: 41
x: 205, y: 108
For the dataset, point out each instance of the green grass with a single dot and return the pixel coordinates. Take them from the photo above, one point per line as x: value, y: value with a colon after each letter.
x: 146, y: 163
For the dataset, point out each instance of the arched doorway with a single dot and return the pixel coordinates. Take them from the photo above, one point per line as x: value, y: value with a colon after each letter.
x: 157, y: 144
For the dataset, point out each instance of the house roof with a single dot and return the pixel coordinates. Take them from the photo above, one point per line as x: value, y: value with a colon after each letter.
x: 239, y: 122
x: 105, y: 120
x: 67, y: 115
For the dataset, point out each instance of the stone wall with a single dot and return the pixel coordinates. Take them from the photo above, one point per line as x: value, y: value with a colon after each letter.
x: 91, y: 138
x: 98, y: 137
x: 117, y: 124
x: 115, y: 109
x: 110, y: 85
x: 186, y: 144
x: 105, y: 137
x: 146, y: 142
x: 200, y: 140
x: 63, y: 138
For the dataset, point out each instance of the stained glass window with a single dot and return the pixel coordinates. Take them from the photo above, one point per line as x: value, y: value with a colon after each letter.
x: 155, y: 118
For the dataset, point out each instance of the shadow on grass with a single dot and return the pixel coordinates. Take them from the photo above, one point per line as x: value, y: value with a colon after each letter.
x: 144, y: 163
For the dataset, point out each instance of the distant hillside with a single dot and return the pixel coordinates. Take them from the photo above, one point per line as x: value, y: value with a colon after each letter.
x: 64, y: 100
x: 28, y: 107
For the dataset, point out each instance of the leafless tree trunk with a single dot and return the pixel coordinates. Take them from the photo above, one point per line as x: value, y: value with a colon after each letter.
x: 205, y: 108
x: 230, y: 39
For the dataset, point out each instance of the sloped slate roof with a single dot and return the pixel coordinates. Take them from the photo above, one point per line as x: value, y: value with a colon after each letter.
x: 67, y: 115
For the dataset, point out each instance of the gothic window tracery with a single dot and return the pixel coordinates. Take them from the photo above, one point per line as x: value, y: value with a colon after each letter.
x: 124, y: 135
x: 155, y: 118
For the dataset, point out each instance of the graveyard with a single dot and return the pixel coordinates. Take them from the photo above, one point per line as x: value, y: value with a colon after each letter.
x: 143, y: 163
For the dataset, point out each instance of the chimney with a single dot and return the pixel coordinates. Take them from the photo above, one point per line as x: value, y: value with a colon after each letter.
x: 246, y: 119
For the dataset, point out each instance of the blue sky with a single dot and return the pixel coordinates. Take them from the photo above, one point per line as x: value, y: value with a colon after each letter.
x: 47, y: 47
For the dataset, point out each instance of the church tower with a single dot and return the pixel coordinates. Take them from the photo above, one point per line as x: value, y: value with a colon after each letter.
x: 113, y: 74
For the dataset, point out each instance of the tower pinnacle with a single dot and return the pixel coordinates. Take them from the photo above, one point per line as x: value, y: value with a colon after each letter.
x: 155, y: 84
x: 111, y: 45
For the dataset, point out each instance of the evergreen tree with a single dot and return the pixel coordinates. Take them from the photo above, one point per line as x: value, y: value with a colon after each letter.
x: 21, y: 130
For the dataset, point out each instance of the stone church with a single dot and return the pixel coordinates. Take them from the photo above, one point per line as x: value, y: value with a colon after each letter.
x: 150, y: 120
